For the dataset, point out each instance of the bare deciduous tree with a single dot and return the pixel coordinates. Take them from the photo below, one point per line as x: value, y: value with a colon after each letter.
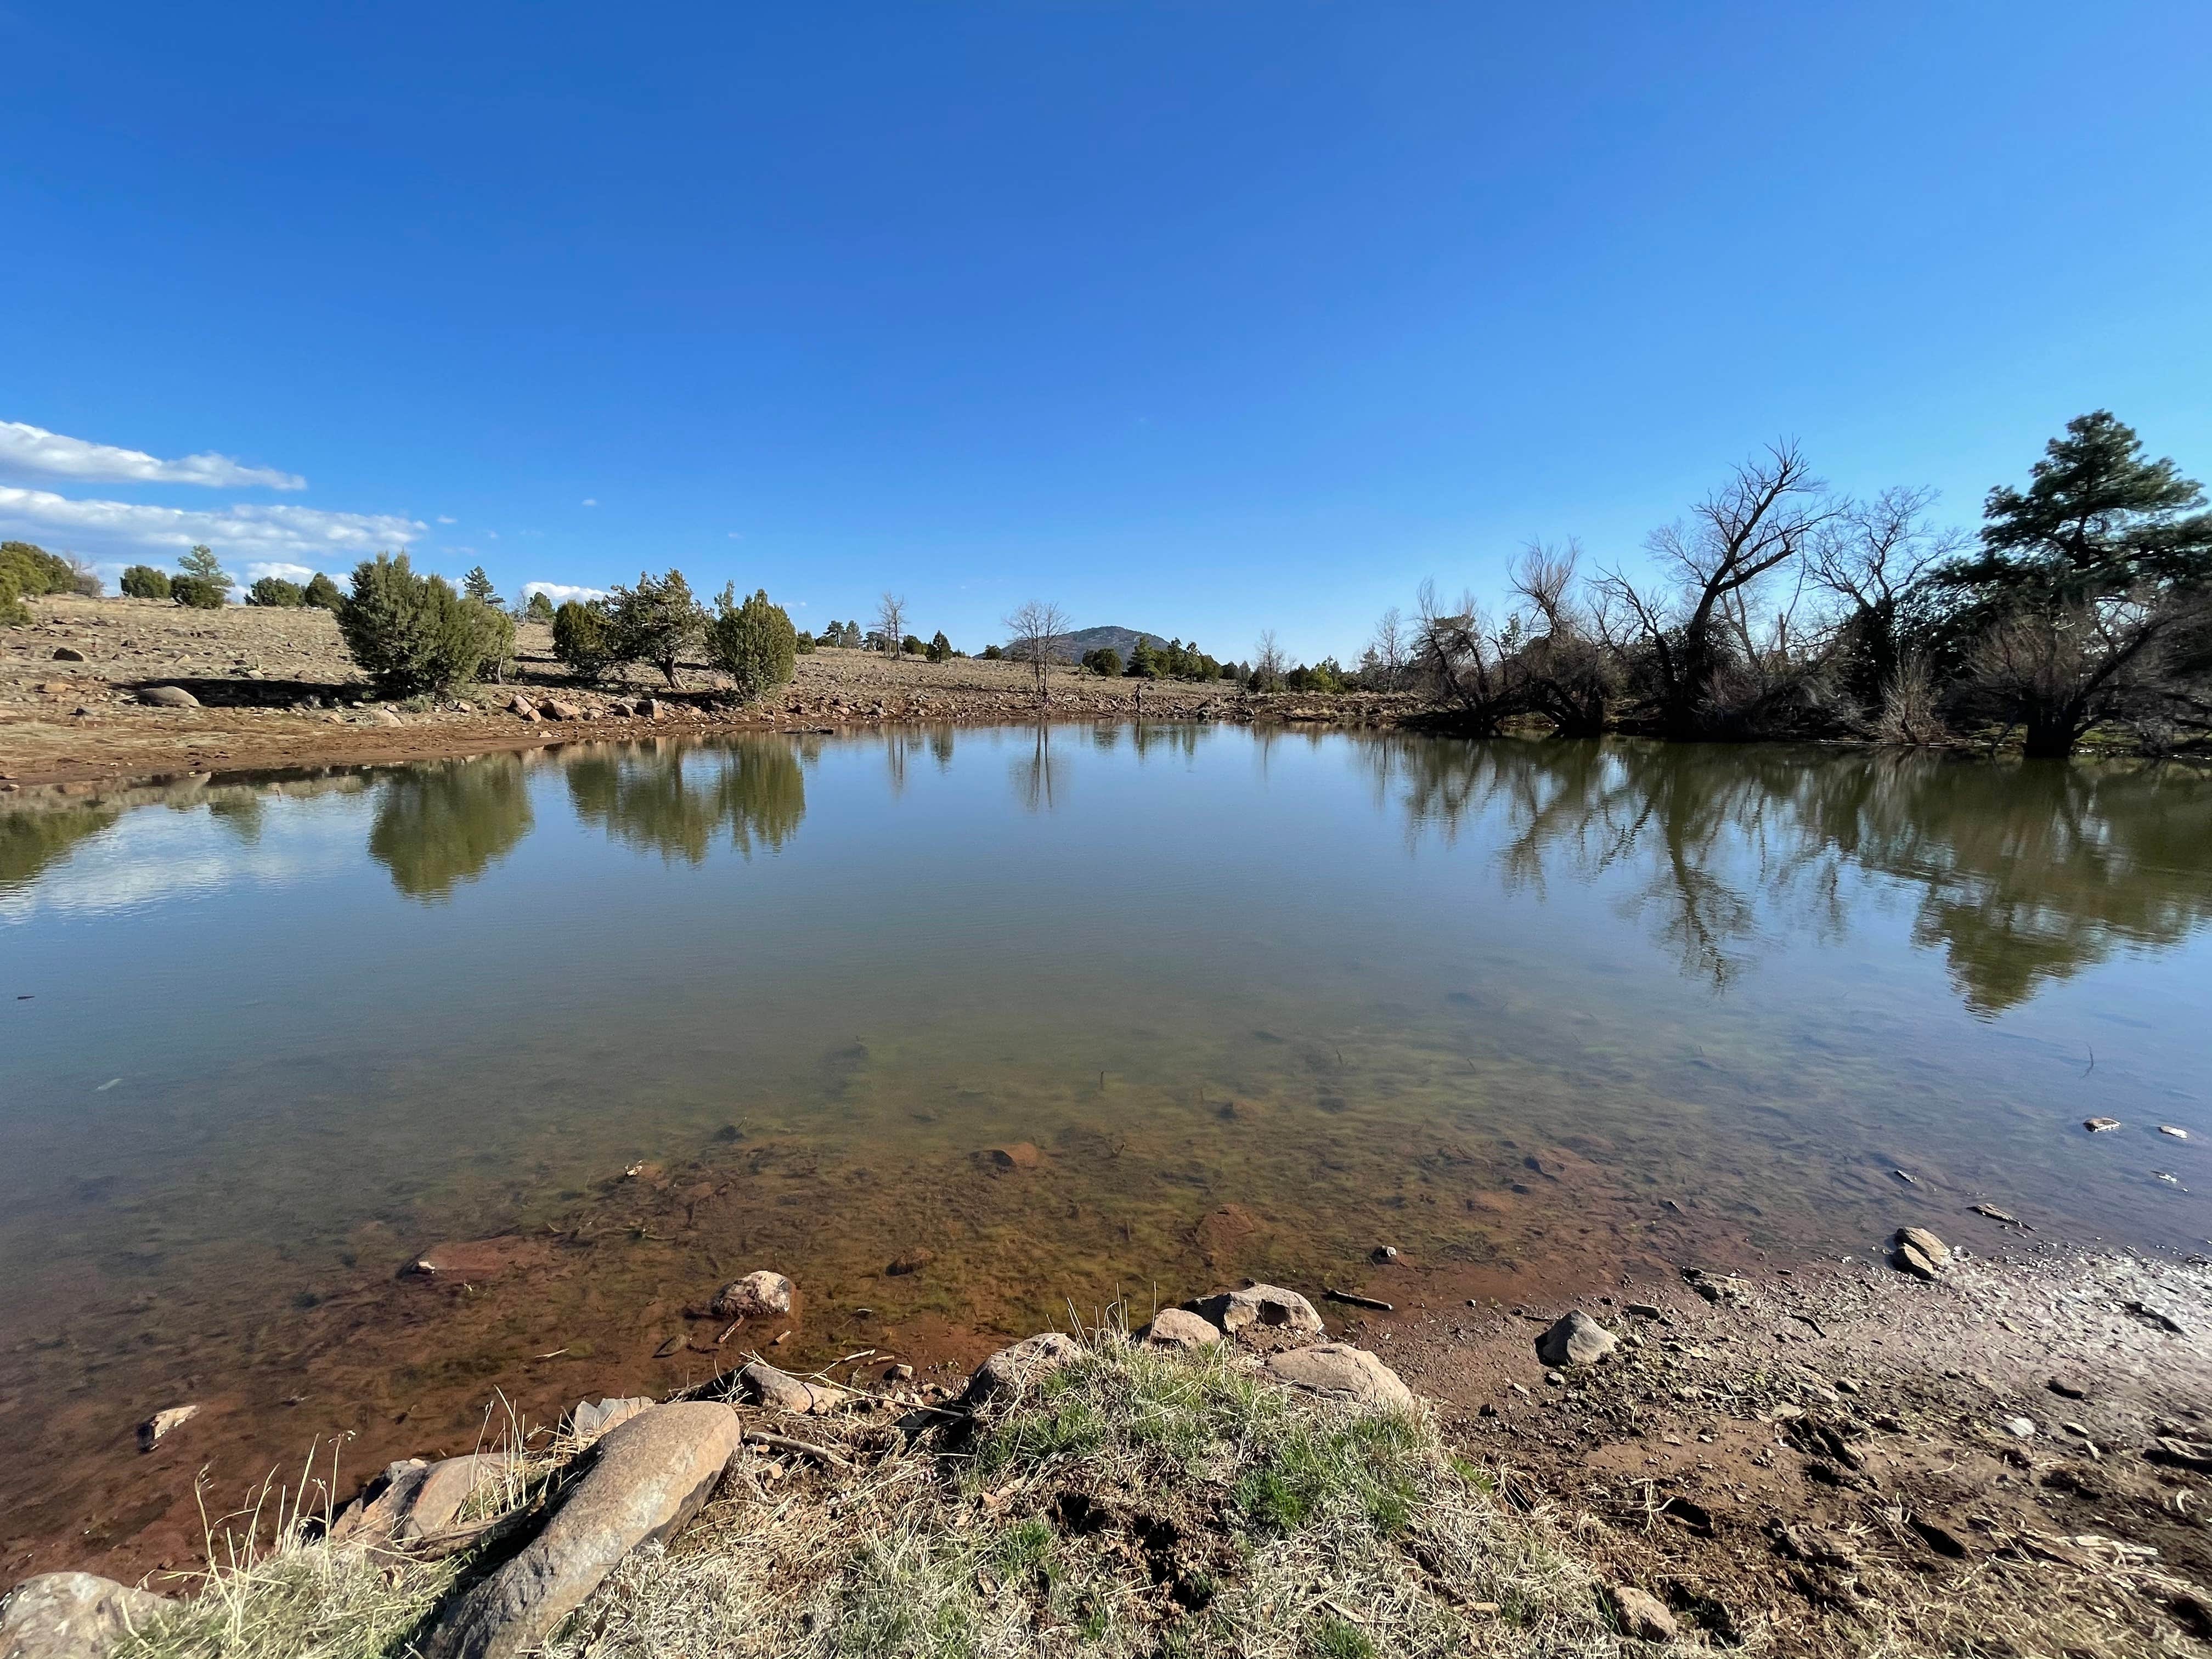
x: 1765, y: 517
x: 1570, y: 676
x: 1268, y: 662
x: 1875, y: 556
x: 891, y: 622
x: 1037, y: 629
x: 1466, y: 660
x: 1386, y: 649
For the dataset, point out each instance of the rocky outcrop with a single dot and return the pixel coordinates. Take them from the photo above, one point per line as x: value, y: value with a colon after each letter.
x: 652, y: 1474
x: 71, y: 1615
x: 168, y: 696
x: 1259, y: 1304
x: 1343, y: 1372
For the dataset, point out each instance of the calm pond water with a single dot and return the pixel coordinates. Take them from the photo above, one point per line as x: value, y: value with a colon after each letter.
x: 1258, y: 1001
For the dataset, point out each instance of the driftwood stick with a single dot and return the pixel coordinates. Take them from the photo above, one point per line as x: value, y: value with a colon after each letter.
x: 784, y: 1442
x: 1347, y: 1298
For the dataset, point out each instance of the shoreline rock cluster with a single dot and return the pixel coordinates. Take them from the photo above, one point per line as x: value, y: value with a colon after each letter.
x: 645, y: 1468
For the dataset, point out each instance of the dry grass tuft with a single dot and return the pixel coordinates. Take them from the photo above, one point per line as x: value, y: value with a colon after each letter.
x: 279, y: 1589
x: 1134, y: 1503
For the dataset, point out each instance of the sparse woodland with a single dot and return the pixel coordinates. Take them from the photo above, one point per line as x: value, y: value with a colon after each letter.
x: 1780, y: 609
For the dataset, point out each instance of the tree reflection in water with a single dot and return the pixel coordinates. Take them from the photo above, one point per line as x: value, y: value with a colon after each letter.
x: 2025, y: 871
x: 1033, y: 774
x: 441, y: 823
x: 32, y: 839
x: 676, y: 801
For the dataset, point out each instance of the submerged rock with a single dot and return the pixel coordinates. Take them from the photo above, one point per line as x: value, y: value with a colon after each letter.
x: 756, y: 1294
x: 652, y: 1474
x: 1337, y: 1369
x: 72, y: 1615
x: 1576, y: 1339
x: 1259, y: 1304
x: 163, y: 1424
x: 1178, y: 1328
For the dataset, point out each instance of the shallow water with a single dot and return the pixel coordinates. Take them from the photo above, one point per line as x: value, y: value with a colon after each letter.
x: 1260, y: 1001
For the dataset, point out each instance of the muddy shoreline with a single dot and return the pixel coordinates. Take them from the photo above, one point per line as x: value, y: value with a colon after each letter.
x: 275, y: 690
x: 1691, y: 1459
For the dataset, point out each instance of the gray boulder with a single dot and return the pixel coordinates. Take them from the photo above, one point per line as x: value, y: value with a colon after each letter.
x: 1341, y: 1370
x: 1259, y: 1304
x: 168, y: 696
x: 653, y: 1474
x: 1011, y: 1369
x: 71, y: 1615
x: 1938, y: 1254
x: 1176, y: 1327
x: 1640, y: 1613
x: 780, y: 1391
x: 415, y: 1500
x: 595, y: 1418
x: 1578, y: 1339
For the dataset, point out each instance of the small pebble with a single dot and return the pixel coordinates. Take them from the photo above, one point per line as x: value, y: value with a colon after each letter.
x: 1555, y: 1379
x: 2021, y: 1427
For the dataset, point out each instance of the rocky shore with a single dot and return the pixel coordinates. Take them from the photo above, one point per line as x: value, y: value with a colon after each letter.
x: 115, y: 688
x: 1940, y: 1448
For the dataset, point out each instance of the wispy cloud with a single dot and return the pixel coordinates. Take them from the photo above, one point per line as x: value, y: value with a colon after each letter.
x: 443, y: 519
x: 561, y: 592
x: 591, y: 500
x: 27, y: 449
x: 245, y: 532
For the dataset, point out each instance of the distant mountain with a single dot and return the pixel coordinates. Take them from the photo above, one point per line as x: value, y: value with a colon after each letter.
x: 1122, y: 641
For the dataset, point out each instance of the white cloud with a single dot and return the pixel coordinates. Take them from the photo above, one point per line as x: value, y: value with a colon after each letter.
x: 32, y: 449
x: 301, y: 574
x: 561, y: 592
x: 591, y: 500
x: 737, y: 535
x: 442, y: 519
x: 491, y: 535
x: 244, y: 530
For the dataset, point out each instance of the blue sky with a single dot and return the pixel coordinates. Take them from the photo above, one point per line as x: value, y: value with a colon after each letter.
x: 1196, y: 318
